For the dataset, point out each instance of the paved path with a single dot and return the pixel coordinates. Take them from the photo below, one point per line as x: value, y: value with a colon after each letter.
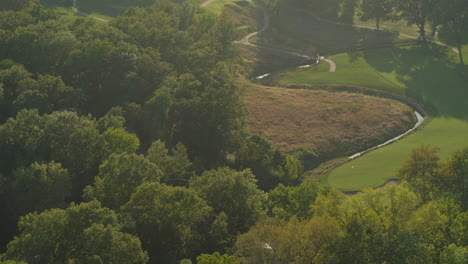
x: 332, y: 65
x: 246, y: 41
x: 418, y: 123
x: 75, y: 9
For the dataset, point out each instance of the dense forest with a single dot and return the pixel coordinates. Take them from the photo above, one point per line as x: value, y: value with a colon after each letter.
x: 125, y: 142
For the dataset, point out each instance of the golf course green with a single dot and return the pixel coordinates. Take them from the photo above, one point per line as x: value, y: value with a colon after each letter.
x: 429, y: 74
x: 375, y: 168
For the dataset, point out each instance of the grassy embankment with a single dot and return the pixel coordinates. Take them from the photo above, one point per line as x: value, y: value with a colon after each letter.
x: 335, y: 123
x: 429, y: 74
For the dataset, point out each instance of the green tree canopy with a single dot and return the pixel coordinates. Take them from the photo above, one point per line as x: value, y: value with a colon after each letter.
x: 85, y: 233
x: 118, y: 178
x: 233, y: 193
x: 169, y: 220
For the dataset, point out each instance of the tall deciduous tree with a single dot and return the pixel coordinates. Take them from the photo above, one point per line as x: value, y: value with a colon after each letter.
x: 422, y: 171
x: 416, y: 12
x: 217, y: 258
x: 379, y: 10
x: 16, y: 4
x: 454, y: 30
x: 176, y: 167
x: 85, y: 233
x: 118, y: 178
x: 169, y: 221
x: 233, y: 193
x: 42, y: 186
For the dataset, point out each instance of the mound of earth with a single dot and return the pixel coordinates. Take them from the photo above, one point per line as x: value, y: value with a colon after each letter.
x: 331, y: 123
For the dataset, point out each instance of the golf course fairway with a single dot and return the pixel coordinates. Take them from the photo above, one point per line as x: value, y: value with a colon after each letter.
x: 375, y: 168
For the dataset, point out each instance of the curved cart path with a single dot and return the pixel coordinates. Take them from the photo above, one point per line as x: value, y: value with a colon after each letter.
x: 420, y: 121
x: 246, y: 40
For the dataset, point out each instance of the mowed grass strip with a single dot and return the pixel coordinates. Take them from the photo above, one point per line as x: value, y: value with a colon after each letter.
x: 375, y: 168
x: 427, y: 73
x: 352, y: 69
x: 327, y: 122
x: 216, y: 6
x: 100, y: 9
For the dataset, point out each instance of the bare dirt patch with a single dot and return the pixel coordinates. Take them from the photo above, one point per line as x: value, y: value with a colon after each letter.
x: 331, y: 123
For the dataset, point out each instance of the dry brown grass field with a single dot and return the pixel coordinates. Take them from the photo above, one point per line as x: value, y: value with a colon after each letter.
x: 328, y: 122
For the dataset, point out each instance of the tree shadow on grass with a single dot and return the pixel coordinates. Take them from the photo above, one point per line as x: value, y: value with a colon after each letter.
x: 430, y: 75
x: 297, y: 31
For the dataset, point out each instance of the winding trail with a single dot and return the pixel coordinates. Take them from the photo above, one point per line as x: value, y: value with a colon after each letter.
x: 266, y: 24
x: 75, y: 9
x: 245, y: 41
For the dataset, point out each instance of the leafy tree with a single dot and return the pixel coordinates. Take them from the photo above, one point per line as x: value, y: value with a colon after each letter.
x: 114, y: 119
x: 34, y: 188
x: 308, y: 241
x: 416, y: 12
x: 73, y: 141
x: 233, y: 193
x: 217, y: 258
x: 118, y: 178
x: 377, y: 224
x: 85, y: 233
x: 9, y: 20
x: 44, y: 47
x: 293, y: 169
x: 118, y: 141
x: 207, y: 115
x: 294, y: 201
x: 47, y: 93
x: 454, y: 255
x: 376, y: 9
x: 263, y: 243
x: 422, y: 171
x: 42, y: 186
x: 10, y: 78
x: 176, y: 167
x: 454, y: 30
x: 12, y: 262
x: 22, y: 141
x: 16, y: 4
x: 169, y: 220
x: 456, y: 184
x: 106, y: 244
x: 256, y: 153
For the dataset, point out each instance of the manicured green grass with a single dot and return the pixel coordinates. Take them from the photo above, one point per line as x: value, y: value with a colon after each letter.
x: 65, y: 12
x: 427, y: 73
x: 430, y: 74
x: 375, y: 168
x: 399, y: 26
x: 105, y: 10
x: 217, y: 5
x: 299, y: 25
x: 350, y: 70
